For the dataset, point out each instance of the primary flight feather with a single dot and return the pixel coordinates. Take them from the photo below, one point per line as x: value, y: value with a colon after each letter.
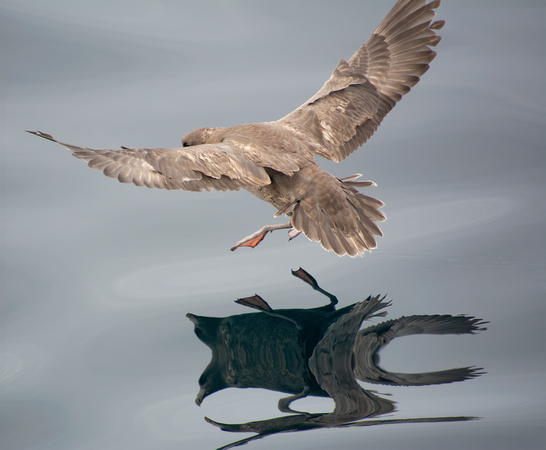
x: 275, y: 161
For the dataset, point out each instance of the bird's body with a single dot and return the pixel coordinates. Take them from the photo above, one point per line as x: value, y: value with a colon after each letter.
x: 275, y: 161
x: 327, y: 208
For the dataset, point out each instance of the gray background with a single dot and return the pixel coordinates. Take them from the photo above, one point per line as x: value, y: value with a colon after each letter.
x: 97, y: 276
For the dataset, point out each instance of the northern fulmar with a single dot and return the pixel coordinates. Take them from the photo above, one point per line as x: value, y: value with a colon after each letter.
x: 275, y: 161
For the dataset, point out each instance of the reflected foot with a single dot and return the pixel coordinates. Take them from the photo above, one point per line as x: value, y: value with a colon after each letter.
x: 260, y: 304
x: 284, y: 403
x: 255, y: 302
x: 306, y: 277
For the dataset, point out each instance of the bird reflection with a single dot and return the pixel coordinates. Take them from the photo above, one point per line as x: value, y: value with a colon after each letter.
x: 319, y: 352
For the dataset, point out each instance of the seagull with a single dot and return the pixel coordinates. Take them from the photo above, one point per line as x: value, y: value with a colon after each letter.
x: 275, y: 161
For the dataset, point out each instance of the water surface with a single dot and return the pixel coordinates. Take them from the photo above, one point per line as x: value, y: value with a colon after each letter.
x: 98, y: 276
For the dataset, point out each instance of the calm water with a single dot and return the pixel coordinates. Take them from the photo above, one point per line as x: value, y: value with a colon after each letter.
x: 97, y: 351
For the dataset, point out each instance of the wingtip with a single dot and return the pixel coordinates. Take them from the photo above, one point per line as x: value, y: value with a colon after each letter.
x: 42, y: 135
x: 437, y: 25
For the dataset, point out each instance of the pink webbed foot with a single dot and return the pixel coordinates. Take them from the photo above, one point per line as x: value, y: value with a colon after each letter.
x: 255, y: 238
x: 251, y: 242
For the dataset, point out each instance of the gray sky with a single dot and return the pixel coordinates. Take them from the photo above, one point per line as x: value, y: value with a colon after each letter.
x: 97, y: 276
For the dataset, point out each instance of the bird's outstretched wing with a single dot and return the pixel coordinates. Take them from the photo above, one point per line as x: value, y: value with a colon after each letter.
x: 347, y: 110
x: 221, y: 166
x: 371, y: 340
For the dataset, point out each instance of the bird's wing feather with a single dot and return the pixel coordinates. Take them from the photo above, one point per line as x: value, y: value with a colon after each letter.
x: 371, y: 340
x: 202, y: 167
x: 335, y: 214
x: 281, y: 159
x: 347, y: 110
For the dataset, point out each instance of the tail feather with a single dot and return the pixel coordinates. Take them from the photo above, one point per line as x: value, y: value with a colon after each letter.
x: 338, y: 216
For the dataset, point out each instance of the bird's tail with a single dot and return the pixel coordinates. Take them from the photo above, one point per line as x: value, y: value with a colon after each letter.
x: 334, y: 213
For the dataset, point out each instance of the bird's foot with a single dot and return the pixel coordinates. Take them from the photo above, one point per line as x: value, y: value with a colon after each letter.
x: 284, y: 403
x: 250, y: 242
x: 305, y: 276
x: 260, y: 304
x: 255, y: 302
x: 293, y: 233
x: 255, y: 238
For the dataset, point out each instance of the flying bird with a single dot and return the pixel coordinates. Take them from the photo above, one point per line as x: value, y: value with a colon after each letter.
x: 275, y: 161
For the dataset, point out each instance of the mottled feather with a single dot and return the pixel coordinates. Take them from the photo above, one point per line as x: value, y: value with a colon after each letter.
x: 347, y: 110
x: 275, y: 160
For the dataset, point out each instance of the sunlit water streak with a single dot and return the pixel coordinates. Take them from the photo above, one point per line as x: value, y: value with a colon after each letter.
x: 22, y: 365
x: 449, y: 217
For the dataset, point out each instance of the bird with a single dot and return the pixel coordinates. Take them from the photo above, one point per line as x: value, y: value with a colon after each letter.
x: 276, y: 160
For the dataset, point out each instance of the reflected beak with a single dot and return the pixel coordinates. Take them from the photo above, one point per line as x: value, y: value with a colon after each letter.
x: 193, y: 318
x: 200, y: 396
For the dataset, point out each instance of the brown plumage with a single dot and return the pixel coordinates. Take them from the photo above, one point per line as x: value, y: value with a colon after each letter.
x: 275, y: 160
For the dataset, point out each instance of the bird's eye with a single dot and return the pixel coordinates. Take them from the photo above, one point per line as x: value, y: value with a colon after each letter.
x: 185, y: 144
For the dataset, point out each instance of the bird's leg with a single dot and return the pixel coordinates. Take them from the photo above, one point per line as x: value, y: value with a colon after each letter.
x: 305, y: 276
x: 255, y: 238
x: 260, y: 304
x: 284, y: 403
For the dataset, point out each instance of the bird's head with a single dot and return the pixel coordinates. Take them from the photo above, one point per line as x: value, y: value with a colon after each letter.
x: 202, y: 136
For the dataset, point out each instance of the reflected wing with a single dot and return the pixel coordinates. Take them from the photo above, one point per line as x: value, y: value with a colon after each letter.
x: 202, y: 167
x: 347, y: 110
x: 332, y: 365
x: 372, y: 339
